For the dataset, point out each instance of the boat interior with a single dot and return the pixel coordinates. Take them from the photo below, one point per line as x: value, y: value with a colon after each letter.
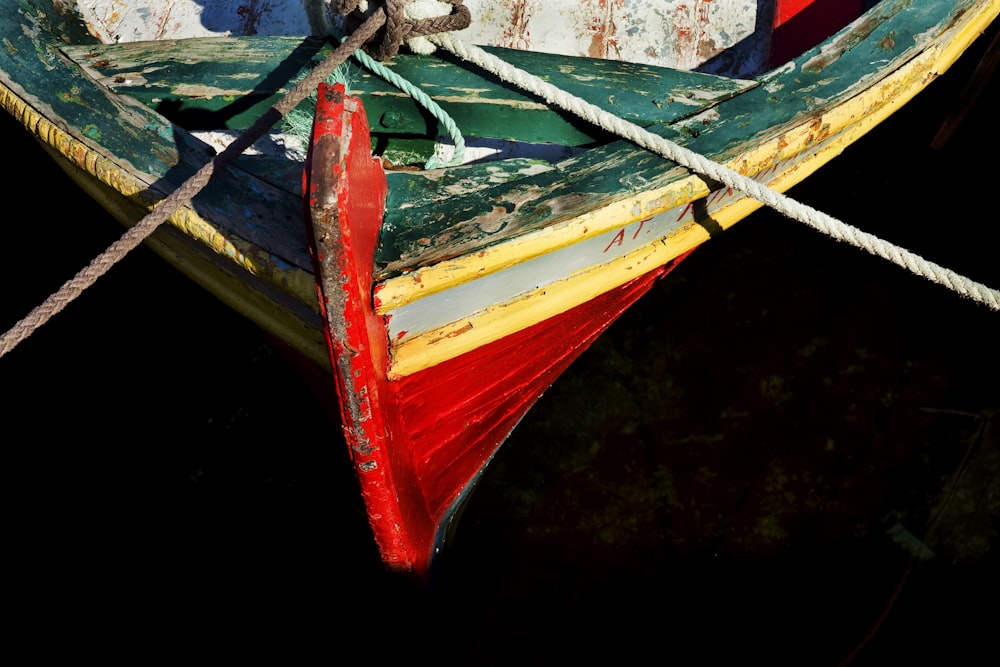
x: 215, y: 67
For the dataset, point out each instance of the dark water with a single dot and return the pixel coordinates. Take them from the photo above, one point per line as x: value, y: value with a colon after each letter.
x: 712, y: 482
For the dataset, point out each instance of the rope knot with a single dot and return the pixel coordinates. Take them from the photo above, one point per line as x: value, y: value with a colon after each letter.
x: 405, y: 21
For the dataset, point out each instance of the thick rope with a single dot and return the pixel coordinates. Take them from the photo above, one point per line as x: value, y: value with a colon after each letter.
x: 720, y: 173
x: 434, y: 29
x: 412, y: 21
x: 191, y: 187
x: 424, y: 100
x: 398, y: 27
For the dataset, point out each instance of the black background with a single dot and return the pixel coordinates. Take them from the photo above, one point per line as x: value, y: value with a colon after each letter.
x: 711, y: 482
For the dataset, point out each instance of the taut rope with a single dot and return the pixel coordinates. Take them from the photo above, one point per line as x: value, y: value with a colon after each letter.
x: 191, y: 187
x: 717, y: 172
x: 398, y: 28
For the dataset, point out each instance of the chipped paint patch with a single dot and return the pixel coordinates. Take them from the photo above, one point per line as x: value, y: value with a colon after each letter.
x: 114, y: 21
x: 671, y: 33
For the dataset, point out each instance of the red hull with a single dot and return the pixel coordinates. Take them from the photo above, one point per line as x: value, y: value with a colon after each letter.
x: 419, y: 443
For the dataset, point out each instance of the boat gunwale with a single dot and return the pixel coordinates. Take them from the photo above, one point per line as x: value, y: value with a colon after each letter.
x: 751, y: 156
x: 413, y: 351
x: 143, y: 188
x: 238, y: 247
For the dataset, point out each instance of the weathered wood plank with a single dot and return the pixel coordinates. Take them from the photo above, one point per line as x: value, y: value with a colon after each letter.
x: 227, y: 82
x: 139, y: 153
x: 206, y: 83
x: 642, y: 94
x: 793, y: 97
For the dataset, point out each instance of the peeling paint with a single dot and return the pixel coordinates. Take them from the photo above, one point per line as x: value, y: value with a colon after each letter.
x: 113, y: 21
x: 671, y: 33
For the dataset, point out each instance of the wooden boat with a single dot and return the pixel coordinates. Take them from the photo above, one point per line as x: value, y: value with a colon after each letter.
x: 451, y: 297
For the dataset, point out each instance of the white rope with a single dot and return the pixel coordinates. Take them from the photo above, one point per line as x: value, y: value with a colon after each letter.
x: 717, y: 172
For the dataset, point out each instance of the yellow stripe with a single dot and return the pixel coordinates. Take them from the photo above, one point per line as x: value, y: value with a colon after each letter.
x: 869, y: 109
x: 878, y: 102
x: 137, y: 192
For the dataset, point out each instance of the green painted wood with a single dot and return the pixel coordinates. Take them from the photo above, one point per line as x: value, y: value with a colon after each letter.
x: 264, y: 219
x: 428, y: 232
x: 32, y: 64
x: 207, y: 83
x: 421, y: 225
x: 419, y: 233
x: 58, y: 17
x: 483, y: 107
x: 440, y: 186
x: 215, y: 83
